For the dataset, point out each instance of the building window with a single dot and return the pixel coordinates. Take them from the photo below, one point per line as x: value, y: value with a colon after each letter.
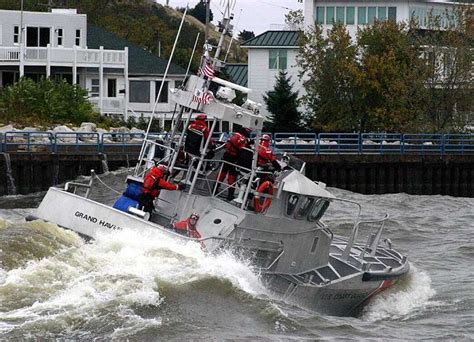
x: 371, y: 14
x: 320, y: 15
x: 350, y: 12
x: 392, y: 13
x: 60, y: 36
x: 16, y: 34
x: 329, y: 15
x: 140, y: 91
x: 95, y: 87
x: 78, y: 38
x: 277, y: 59
x: 164, y: 93
x: 340, y: 15
x: 37, y: 36
x: 382, y: 13
x: 362, y: 15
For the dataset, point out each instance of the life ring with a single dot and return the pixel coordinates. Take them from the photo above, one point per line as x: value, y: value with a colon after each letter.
x: 264, y: 188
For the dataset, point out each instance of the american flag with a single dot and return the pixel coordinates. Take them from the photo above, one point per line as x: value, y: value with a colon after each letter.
x: 207, y: 70
x: 203, y: 97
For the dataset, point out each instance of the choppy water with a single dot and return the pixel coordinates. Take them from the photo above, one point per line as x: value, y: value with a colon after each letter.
x: 137, y: 287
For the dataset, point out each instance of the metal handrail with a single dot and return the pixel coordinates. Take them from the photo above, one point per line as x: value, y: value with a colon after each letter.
x: 296, y: 143
x: 373, y: 243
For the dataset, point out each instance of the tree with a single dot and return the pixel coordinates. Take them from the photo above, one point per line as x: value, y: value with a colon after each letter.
x: 391, y: 78
x: 245, y: 35
x: 295, y: 20
x: 45, y: 102
x: 282, y: 103
x: 329, y: 72
x: 199, y: 12
x: 448, y: 57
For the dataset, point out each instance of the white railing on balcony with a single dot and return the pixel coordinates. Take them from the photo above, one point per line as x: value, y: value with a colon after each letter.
x: 63, y: 55
x: 9, y: 54
x: 109, y: 104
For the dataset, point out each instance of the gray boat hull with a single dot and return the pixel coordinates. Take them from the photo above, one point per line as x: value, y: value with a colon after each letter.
x: 331, y: 287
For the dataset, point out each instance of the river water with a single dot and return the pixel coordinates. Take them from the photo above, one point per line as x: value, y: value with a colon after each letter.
x: 54, y: 285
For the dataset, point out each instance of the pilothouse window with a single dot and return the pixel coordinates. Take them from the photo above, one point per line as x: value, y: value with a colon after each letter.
x: 291, y: 205
x: 305, y: 207
x: 319, y: 208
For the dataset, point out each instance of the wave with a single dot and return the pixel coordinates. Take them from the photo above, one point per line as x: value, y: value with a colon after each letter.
x: 408, y: 297
x: 123, y: 281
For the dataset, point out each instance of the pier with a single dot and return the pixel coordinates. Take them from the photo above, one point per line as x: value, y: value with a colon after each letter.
x: 365, y: 163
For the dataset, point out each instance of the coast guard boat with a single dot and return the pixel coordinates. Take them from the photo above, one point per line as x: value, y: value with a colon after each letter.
x: 279, y: 227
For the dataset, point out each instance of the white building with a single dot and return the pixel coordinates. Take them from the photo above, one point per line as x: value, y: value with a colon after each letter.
x: 353, y: 13
x: 122, y: 78
x: 268, y: 53
x: 274, y: 50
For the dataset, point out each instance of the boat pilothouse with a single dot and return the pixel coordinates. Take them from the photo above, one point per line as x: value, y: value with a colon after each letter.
x: 275, y: 217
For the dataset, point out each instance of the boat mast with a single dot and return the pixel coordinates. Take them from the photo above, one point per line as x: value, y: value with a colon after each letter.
x: 226, y: 25
x: 142, y: 150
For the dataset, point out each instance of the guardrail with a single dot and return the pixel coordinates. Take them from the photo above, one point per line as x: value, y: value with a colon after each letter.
x: 295, y: 143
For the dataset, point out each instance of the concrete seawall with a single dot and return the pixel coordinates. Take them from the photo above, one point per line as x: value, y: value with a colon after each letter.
x: 22, y: 173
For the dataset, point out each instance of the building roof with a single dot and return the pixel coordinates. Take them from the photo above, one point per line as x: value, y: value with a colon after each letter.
x: 274, y: 39
x: 237, y: 73
x: 140, y: 61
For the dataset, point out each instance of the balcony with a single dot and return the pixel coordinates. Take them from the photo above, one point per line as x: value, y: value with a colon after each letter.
x: 64, y: 56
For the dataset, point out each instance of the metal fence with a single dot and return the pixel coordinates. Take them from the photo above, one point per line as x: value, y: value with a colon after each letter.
x: 295, y: 143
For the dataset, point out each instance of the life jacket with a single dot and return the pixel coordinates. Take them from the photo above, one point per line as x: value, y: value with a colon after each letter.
x: 200, y: 126
x: 265, y: 155
x: 235, y: 143
x: 154, y: 182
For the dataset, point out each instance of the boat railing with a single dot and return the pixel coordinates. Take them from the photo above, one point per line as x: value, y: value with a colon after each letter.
x: 150, y: 161
x: 372, y: 239
x: 243, y: 177
x: 73, y: 186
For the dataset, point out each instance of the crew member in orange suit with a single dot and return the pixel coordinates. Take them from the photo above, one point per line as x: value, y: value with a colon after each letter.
x: 188, y: 226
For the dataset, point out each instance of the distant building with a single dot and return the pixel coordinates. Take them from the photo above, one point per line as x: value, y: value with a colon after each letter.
x: 355, y: 13
x: 268, y: 53
x: 121, y: 78
x: 276, y: 50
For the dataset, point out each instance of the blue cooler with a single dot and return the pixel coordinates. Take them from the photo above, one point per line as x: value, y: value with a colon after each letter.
x: 133, y: 190
x: 124, y: 202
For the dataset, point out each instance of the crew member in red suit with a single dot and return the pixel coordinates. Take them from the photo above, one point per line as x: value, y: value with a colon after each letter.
x: 152, y: 184
x: 188, y: 226
x: 200, y: 125
x: 266, y: 160
x: 232, y: 147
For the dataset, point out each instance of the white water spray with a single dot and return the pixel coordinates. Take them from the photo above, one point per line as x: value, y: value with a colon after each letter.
x: 114, y: 274
x: 404, y: 299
